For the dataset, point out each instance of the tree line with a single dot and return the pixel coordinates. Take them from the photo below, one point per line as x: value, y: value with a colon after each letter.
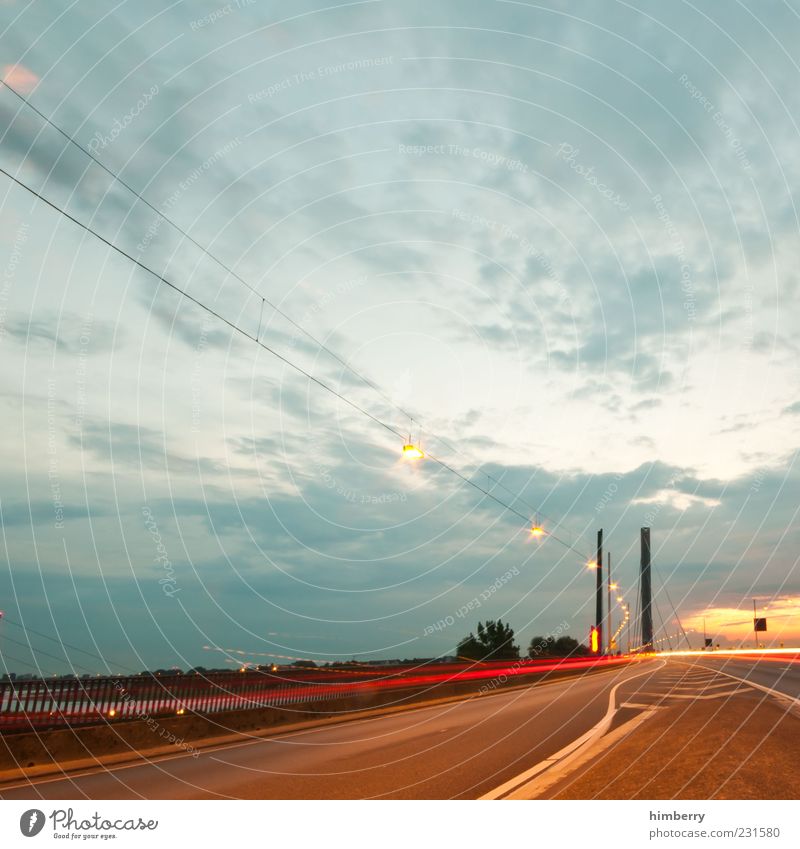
x: 495, y: 641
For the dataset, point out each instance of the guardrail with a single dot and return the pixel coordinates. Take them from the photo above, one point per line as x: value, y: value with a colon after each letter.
x: 58, y: 702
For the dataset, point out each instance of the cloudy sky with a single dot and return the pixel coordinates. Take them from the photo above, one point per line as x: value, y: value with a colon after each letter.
x: 562, y: 236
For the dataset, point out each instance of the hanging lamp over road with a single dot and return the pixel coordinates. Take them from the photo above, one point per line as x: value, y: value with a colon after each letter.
x: 410, y: 450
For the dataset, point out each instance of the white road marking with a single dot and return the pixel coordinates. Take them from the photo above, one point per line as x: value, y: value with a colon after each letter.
x: 534, y: 788
x: 592, y: 734
x: 514, y: 784
x: 777, y: 693
x: 704, y: 686
x: 691, y: 696
x: 275, y: 735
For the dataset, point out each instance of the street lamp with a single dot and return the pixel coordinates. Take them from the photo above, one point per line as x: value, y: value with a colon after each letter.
x: 412, y: 452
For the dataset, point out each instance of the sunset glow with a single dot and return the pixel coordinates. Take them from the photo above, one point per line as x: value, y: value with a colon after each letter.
x: 733, y: 626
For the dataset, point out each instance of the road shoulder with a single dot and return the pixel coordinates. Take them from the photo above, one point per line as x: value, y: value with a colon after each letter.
x: 746, y: 746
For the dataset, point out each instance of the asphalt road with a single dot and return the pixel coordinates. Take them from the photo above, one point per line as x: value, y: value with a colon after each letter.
x: 457, y: 750
x: 774, y: 672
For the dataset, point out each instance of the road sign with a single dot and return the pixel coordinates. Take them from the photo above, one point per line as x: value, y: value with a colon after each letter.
x: 759, y: 624
x: 709, y: 642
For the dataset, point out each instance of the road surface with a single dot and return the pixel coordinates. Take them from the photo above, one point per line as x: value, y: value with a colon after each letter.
x: 463, y: 749
x: 772, y: 671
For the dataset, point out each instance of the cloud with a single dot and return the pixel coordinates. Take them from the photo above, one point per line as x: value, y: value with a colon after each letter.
x: 65, y: 333
x: 184, y: 321
x: 20, y: 78
x: 589, y: 354
x: 43, y: 512
x: 138, y: 447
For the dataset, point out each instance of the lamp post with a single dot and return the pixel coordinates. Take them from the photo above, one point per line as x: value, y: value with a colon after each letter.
x: 612, y: 585
x: 612, y: 634
x: 599, y: 590
x: 609, y: 624
x: 628, y: 627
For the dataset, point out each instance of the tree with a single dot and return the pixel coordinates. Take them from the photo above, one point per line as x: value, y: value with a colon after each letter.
x: 540, y: 646
x: 567, y: 646
x: 550, y: 647
x: 495, y: 641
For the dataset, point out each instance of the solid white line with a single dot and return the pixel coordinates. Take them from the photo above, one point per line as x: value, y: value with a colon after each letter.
x: 534, y: 789
x: 595, y: 731
x: 278, y: 736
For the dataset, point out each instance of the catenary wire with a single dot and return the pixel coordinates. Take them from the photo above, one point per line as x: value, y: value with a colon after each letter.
x: 308, y: 375
x: 341, y: 360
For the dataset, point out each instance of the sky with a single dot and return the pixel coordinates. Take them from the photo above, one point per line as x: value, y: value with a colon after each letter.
x: 555, y: 243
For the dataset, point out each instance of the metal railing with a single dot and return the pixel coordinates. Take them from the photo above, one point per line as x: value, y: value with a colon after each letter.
x: 66, y: 702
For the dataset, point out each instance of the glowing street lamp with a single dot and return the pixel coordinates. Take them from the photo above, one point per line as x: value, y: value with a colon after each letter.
x: 537, y: 530
x: 412, y: 452
x: 592, y: 564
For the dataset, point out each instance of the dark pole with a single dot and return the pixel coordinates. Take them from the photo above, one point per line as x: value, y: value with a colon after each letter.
x: 755, y: 632
x: 599, y: 595
x: 609, y: 623
x: 647, y: 611
x: 628, y: 631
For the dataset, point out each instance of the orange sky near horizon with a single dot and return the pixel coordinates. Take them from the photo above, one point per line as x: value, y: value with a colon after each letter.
x: 733, y: 626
